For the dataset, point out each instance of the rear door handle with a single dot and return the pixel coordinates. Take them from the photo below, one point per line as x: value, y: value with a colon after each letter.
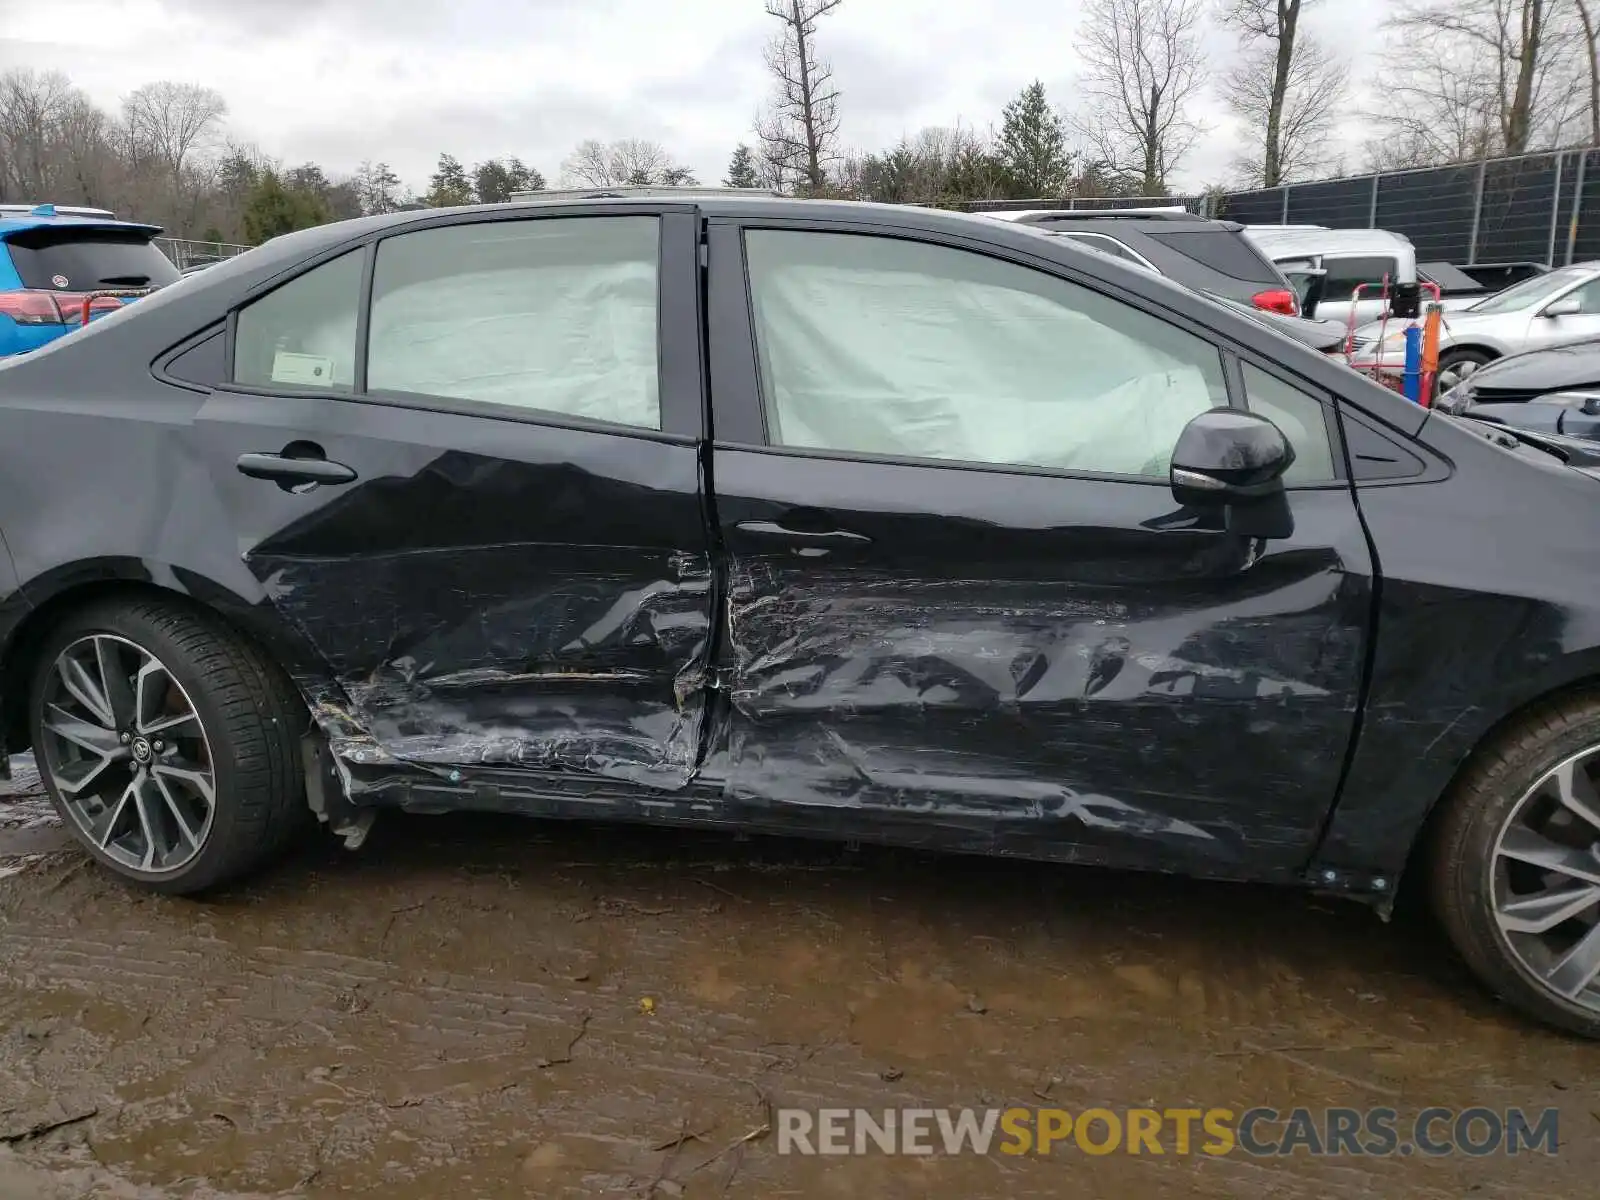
x: 295, y: 470
x: 810, y: 537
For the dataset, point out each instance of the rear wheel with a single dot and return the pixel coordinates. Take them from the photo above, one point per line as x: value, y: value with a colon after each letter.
x: 167, y: 744
x: 1516, y: 870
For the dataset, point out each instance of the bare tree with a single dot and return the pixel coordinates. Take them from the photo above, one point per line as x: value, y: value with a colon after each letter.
x: 629, y: 162
x: 1286, y: 88
x: 938, y: 166
x: 799, y: 132
x: 1142, y: 71
x: 1591, y: 55
x: 1495, y: 77
x: 52, y: 139
x: 170, y: 121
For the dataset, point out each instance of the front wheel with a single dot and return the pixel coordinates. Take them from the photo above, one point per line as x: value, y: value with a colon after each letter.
x: 1516, y: 866
x: 167, y: 744
x: 1456, y: 366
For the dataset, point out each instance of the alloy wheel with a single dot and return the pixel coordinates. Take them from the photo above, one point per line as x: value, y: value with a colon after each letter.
x: 1458, y: 373
x: 128, y: 754
x: 1545, y: 879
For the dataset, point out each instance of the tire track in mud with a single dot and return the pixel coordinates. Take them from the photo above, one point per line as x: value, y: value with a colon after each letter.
x: 325, y: 1032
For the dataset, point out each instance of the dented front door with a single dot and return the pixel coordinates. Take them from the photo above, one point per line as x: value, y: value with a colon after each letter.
x: 1028, y: 663
x: 483, y: 581
x: 1034, y: 648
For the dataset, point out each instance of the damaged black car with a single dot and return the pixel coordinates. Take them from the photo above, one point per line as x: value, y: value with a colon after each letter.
x: 814, y: 518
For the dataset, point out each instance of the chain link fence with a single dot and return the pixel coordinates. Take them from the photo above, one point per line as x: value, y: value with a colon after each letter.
x: 186, y: 253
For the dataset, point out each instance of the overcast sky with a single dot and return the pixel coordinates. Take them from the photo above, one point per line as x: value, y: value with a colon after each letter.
x: 339, y: 81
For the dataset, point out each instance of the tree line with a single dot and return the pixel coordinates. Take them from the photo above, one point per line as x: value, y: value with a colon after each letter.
x: 1458, y: 80
x: 1455, y: 81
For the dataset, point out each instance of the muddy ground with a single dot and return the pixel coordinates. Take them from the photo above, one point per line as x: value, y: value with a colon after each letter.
x: 459, y: 1010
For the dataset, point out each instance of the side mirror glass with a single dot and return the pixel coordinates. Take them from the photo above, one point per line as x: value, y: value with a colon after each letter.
x: 1231, y: 459
x: 1567, y: 306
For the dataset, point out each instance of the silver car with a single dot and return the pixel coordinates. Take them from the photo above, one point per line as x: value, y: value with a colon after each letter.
x: 1547, y: 310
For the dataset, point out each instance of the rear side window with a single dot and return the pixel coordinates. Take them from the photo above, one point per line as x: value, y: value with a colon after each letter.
x: 64, y: 258
x: 554, y: 315
x: 303, y: 335
x: 1222, y: 250
x: 1346, y: 274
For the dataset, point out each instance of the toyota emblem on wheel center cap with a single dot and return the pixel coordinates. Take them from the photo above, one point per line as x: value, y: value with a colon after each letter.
x: 141, y: 749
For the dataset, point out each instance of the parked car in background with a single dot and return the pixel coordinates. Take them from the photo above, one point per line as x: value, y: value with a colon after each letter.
x: 998, y: 546
x: 61, y: 210
x: 1327, y: 336
x: 1556, y: 390
x: 1349, y: 258
x: 1546, y: 310
x: 61, y: 267
x: 1207, y: 256
x: 1457, y: 289
x: 1496, y: 277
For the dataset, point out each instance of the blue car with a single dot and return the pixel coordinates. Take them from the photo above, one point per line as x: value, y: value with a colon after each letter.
x: 61, y: 267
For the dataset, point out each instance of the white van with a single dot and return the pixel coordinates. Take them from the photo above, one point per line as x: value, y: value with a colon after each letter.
x: 1349, y: 257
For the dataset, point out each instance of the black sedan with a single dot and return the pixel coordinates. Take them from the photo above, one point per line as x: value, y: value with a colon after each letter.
x: 834, y: 519
x: 1556, y: 390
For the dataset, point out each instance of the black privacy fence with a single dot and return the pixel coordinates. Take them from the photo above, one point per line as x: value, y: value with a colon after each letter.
x: 1532, y: 208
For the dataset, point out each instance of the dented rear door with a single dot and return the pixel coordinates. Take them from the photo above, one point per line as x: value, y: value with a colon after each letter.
x: 961, y: 593
x: 496, y: 548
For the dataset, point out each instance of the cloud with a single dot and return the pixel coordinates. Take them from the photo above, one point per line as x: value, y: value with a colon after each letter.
x: 339, y: 81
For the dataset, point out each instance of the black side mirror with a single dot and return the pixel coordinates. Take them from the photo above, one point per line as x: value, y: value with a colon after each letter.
x: 1226, y: 457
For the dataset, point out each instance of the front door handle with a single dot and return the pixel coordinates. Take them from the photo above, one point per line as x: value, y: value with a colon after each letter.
x: 295, y: 469
x: 812, y: 537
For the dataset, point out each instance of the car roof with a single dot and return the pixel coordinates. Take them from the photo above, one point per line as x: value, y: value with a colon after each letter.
x: 1285, y: 242
x: 10, y: 225
x: 712, y: 205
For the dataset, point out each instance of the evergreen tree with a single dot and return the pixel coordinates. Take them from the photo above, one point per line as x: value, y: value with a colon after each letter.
x: 742, y: 169
x: 1033, y: 146
x: 448, y: 185
x: 496, y: 181
x: 274, y: 209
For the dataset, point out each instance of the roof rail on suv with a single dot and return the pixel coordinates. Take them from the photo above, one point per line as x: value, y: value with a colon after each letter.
x: 1095, y: 214
x: 622, y: 192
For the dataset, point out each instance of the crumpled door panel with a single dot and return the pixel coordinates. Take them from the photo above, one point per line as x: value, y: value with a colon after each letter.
x: 526, y: 656
x: 1144, y: 681
x: 486, y: 592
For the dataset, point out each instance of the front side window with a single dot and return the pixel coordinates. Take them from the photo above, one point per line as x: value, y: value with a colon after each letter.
x: 303, y: 334
x: 1531, y: 292
x: 1301, y: 419
x: 1588, y: 298
x: 881, y: 346
x: 555, y: 315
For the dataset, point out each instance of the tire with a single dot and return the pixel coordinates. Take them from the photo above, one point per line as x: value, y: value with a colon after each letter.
x: 240, y: 743
x: 1456, y: 365
x: 1507, y: 806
